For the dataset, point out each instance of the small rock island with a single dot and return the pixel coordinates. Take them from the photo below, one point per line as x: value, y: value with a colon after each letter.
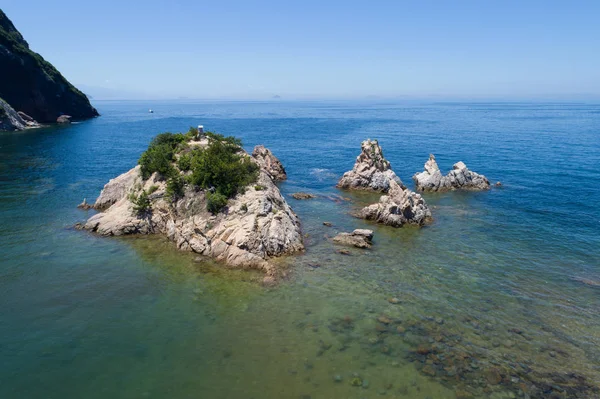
x: 373, y: 172
x: 209, y: 196
x: 459, y: 178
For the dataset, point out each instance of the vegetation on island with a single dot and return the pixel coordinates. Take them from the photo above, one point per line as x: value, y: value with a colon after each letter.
x: 221, y: 167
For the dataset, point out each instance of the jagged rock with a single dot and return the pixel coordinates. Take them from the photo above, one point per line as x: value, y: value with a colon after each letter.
x: 9, y: 118
x: 359, y: 238
x: 32, y: 85
x: 459, y: 178
x: 255, y: 226
x: 303, y: 196
x: 25, y: 117
x: 399, y: 207
x: 84, y: 205
x: 118, y: 188
x: 371, y: 170
x: 64, y: 119
x: 269, y: 163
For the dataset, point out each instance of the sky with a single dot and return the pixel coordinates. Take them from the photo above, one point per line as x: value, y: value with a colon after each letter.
x: 319, y: 49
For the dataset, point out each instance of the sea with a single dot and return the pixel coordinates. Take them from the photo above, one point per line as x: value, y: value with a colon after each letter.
x: 498, y: 298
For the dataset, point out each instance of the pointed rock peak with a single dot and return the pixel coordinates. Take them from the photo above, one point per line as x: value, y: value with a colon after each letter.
x: 459, y: 166
x: 371, y: 170
x: 269, y: 163
x: 372, y: 154
x: 431, y: 165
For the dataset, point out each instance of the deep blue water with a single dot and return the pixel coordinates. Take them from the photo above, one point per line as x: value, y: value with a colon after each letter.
x: 84, y: 316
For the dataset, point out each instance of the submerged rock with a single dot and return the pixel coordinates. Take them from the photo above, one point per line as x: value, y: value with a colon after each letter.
x: 399, y: 207
x: 267, y: 227
x: 269, y: 163
x: 359, y: 238
x: 459, y: 178
x: 303, y: 196
x: 371, y: 170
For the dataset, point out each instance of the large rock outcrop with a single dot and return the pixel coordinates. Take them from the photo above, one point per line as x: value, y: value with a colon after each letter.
x: 459, y: 178
x: 371, y: 170
x: 399, y: 207
x: 32, y: 85
x: 255, y: 226
x: 269, y: 163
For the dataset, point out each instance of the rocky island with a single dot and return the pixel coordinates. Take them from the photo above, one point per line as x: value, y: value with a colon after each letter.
x: 208, y: 196
x: 459, y: 178
x: 31, y: 87
x: 373, y: 172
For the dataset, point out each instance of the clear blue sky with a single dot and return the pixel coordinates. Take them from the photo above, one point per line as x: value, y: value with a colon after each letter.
x: 256, y: 49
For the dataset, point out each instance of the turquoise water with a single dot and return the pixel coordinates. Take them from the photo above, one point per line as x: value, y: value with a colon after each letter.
x: 496, y: 297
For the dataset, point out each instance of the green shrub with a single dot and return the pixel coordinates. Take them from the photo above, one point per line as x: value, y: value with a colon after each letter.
x: 175, y: 186
x: 230, y: 140
x: 258, y: 187
x: 152, y: 189
x: 215, y: 202
x: 141, y: 203
x: 221, y: 166
x: 244, y: 207
x: 159, y: 155
x: 169, y: 139
x: 185, y: 162
x: 191, y: 133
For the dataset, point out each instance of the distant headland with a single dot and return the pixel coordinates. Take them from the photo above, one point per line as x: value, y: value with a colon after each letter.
x: 32, y: 91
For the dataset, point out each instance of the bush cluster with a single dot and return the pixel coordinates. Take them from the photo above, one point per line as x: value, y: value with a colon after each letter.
x: 220, y: 167
x: 159, y: 155
x: 223, y: 168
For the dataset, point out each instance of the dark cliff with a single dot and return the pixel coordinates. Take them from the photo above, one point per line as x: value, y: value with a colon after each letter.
x: 32, y: 85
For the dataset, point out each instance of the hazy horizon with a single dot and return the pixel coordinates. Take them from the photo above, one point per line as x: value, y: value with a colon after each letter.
x: 339, y: 50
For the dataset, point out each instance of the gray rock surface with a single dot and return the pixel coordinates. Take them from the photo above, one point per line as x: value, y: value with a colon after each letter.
x: 269, y: 163
x: 254, y: 227
x: 359, y: 238
x: 371, y: 170
x: 11, y: 120
x: 399, y: 207
x: 459, y: 178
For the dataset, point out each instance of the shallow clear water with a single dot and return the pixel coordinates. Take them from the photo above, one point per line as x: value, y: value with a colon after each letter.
x: 496, y: 298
